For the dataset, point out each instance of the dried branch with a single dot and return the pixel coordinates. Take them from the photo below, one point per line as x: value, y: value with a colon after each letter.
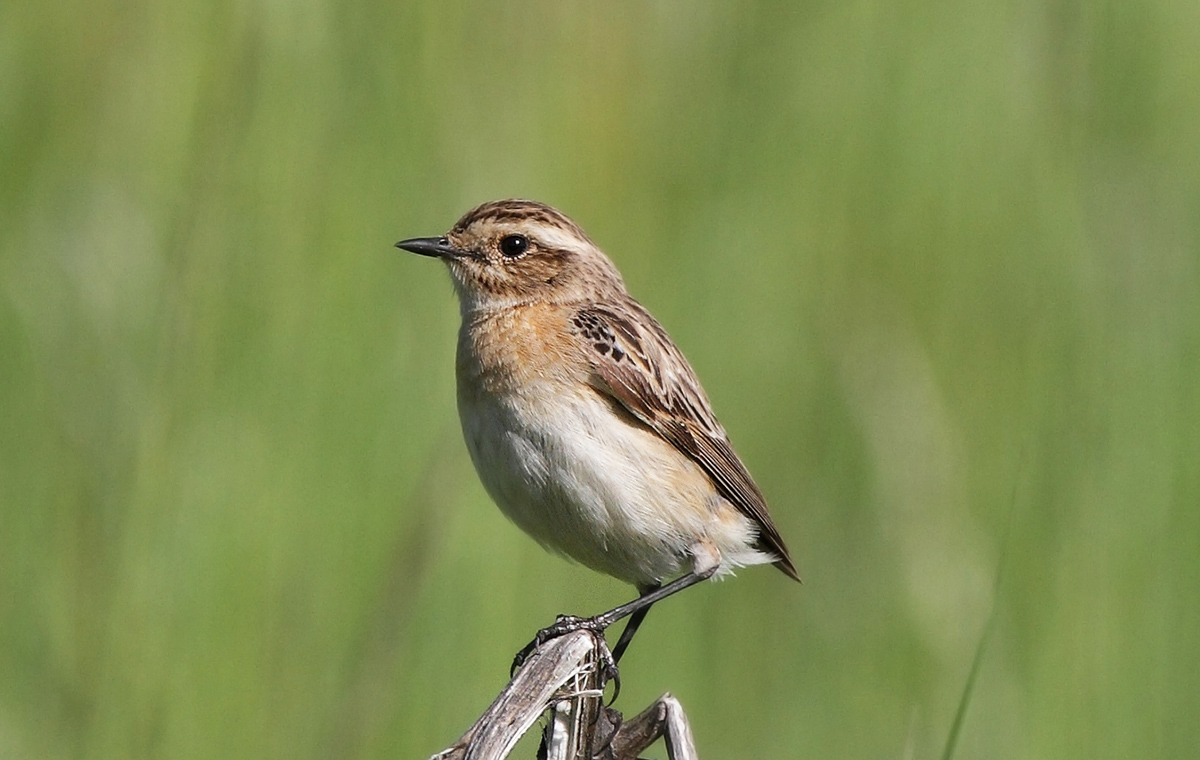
x: 566, y: 676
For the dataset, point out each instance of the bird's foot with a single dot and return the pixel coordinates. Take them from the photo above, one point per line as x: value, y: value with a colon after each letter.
x: 563, y: 625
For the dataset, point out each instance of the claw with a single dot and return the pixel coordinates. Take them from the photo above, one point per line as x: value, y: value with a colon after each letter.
x: 563, y: 625
x: 609, y: 672
x: 520, y: 657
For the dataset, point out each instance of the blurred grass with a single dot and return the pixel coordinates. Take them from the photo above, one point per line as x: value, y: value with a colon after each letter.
x: 923, y: 255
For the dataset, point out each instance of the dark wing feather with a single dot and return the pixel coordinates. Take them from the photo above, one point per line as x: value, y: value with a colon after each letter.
x: 635, y: 362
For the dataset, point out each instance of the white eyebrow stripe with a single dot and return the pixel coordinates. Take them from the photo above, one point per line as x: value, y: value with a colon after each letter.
x: 557, y: 237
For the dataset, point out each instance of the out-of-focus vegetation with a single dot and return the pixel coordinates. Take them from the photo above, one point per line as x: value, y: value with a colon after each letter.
x: 937, y: 263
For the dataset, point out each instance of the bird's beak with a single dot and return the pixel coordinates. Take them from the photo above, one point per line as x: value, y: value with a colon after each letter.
x: 438, y: 247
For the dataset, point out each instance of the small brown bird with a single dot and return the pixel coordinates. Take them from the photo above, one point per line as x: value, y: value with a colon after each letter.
x: 585, y: 423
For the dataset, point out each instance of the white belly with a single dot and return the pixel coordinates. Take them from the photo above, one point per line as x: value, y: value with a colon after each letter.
x: 597, y: 487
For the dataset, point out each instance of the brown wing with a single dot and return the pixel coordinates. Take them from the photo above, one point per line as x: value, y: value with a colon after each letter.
x: 635, y: 362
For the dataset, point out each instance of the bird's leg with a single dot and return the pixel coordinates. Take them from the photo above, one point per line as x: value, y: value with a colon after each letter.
x: 635, y: 620
x: 569, y: 623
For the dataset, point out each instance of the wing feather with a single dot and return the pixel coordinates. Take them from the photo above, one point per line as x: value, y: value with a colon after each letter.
x: 636, y: 363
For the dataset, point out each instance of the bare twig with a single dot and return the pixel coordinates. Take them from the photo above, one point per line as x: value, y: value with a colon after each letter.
x: 566, y: 675
x: 664, y: 718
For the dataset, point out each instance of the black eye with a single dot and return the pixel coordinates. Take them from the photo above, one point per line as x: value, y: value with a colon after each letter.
x: 513, y: 246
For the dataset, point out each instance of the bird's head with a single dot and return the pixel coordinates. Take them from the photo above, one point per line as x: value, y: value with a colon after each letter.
x: 511, y: 252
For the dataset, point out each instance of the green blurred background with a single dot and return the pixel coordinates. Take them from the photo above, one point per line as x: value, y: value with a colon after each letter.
x: 938, y: 265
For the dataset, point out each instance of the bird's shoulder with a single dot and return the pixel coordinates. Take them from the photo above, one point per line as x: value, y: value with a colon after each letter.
x: 632, y: 357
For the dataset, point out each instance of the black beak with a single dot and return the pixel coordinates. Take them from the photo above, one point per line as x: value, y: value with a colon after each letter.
x: 438, y: 247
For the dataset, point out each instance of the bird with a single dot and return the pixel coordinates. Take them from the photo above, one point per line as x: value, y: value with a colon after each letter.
x: 584, y: 421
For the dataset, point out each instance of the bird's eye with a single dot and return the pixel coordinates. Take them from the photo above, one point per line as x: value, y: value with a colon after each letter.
x: 513, y: 246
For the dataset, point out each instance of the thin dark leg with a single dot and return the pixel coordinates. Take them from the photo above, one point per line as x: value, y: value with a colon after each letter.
x: 631, y: 627
x: 569, y: 624
x: 605, y: 619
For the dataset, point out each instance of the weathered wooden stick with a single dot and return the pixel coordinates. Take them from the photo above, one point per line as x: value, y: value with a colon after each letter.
x: 665, y: 718
x: 578, y: 723
x: 531, y: 692
x: 567, y: 676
